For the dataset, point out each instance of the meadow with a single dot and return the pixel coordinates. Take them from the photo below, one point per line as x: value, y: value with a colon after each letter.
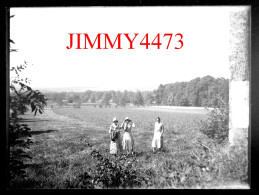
x: 71, y: 150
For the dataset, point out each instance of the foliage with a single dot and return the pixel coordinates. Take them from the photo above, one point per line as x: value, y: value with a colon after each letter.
x: 21, y: 96
x: 148, y: 98
x: 106, y: 99
x: 138, y: 99
x: 17, y: 142
x: 115, y: 173
x: 234, y: 163
x: 199, y: 92
x: 159, y: 94
x: 86, y: 96
x: 217, y: 124
x: 92, y: 98
x: 118, y: 172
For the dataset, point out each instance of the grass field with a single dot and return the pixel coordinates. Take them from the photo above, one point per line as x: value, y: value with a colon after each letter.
x: 64, y: 139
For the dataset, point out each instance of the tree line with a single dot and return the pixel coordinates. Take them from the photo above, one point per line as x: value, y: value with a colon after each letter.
x: 199, y: 92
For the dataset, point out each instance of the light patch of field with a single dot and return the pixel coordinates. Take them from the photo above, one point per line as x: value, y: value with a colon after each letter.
x: 176, y: 109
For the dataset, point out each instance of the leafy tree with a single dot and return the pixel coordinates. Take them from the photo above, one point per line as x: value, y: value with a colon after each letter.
x: 138, y: 100
x: 203, y: 86
x: 180, y: 93
x: 184, y: 101
x: 86, y: 96
x: 21, y: 96
x: 120, y: 98
x: 193, y: 91
x: 159, y: 94
x: 106, y: 99
x: 125, y: 97
x: 166, y: 92
x: 116, y: 97
x: 92, y: 98
x: 77, y: 100
x: 98, y: 95
x: 70, y: 97
x: 131, y: 96
x: 149, y: 98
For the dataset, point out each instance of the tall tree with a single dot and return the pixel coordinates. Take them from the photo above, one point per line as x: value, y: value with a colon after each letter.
x: 148, y: 98
x: 138, y: 100
x: 159, y: 94
x: 70, y: 97
x: 86, y: 96
x: 106, y: 99
x: 92, y: 98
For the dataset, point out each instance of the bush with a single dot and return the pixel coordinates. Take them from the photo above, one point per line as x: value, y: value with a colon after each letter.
x: 217, y: 124
x: 18, y: 141
x: 120, y: 172
x: 234, y: 164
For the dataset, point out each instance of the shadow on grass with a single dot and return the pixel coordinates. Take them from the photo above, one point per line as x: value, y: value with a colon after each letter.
x: 40, y: 132
x: 147, y: 154
x: 175, y: 132
x: 31, y: 120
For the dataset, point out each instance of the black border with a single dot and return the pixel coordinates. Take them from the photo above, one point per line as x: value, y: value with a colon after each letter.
x: 254, y: 125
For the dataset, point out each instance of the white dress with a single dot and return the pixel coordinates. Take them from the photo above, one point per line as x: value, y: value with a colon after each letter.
x: 127, y: 140
x: 157, y: 141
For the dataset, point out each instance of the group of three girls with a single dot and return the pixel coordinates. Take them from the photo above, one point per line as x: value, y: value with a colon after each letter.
x: 126, y: 143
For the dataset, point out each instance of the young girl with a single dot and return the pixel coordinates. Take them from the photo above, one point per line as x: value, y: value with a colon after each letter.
x: 157, y: 142
x: 127, y: 141
x: 115, y: 144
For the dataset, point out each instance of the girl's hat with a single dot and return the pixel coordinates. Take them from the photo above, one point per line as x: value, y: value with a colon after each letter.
x: 114, y: 119
x: 127, y: 119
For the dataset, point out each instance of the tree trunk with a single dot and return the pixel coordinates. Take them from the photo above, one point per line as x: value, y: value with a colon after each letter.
x: 239, y: 60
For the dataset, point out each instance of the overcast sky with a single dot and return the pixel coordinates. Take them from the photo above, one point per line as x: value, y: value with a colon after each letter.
x: 41, y: 36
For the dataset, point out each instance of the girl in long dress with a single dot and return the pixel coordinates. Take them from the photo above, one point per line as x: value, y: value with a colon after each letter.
x: 157, y: 142
x: 115, y: 146
x: 127, y: 140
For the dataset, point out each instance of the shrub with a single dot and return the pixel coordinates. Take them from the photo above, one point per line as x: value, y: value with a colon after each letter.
x: 18, y: 142
x: 217, y: 124
x: 119, y: 172
x: 234, y: 163
x: 115, y: 173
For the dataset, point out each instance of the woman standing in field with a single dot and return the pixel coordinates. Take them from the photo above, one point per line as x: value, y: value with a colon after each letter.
x: 157, y: 142
x: 115, y: 144
x: 127, y: 141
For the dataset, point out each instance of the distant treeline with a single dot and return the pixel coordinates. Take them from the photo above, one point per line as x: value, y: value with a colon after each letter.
x: 199, y: 92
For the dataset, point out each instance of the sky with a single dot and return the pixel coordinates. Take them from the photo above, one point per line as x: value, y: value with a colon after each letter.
x: 41, y: 36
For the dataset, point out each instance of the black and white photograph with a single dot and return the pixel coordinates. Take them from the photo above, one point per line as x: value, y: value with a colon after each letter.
x: 129, y: 97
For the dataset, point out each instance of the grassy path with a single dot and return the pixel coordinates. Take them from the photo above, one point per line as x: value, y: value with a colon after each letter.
x: 51, y: 129
x: 60, y: 148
